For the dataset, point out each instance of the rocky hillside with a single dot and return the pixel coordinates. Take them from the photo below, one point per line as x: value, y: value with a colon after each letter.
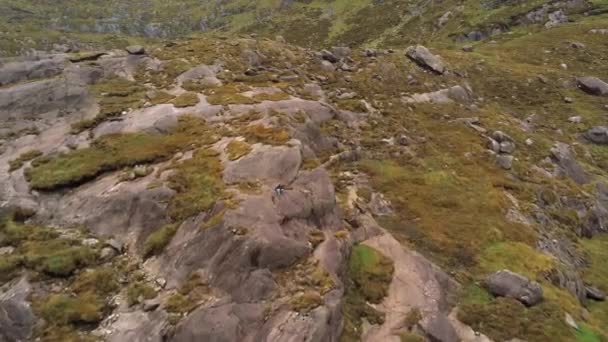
x: 444, y: 178
x: 70, y: 24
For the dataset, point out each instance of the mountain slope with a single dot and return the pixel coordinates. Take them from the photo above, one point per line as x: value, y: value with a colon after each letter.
x: 238, y: 188
x: 306, y: 23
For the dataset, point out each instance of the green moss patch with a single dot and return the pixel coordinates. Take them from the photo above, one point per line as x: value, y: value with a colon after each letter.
x: 517, y: 257
x: 186, y: 100
x: 198, y: 183
x: 503, y: 319
x: 228, y: 95
x: 114, y: 152
x: 370, y: 274
x: 22, y: 159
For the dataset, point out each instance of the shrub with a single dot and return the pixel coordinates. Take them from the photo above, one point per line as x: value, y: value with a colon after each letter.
x: 61, y: 309
x: 101, y: 281
x: 56, y: 257
x: 139, y: 290
x: 156, y: 242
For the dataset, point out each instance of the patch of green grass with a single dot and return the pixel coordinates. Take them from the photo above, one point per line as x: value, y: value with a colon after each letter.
x: 59, y: 257
x: 186, y: 100
x: 156, y: 242
x: 22, y: 159
x: 237, y: 149
x: 504, y: 318
x: 198, y: 183
x: 228, y: 95
x: 113, y: 152
x: 160, y: 97
x: 275, y: 96
x: 266, y: 135
x: 451, y: 209
x: 517, y: 257
x: 586, y: 334
x: 61, y: 309
x: 9, y: 265
x: 596, y: 272
x: 102, y: 281
x: 371, y: 272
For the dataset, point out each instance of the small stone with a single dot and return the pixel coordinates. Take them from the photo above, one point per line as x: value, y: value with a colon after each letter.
x: 289, y: 78
x: 404, y: 140
x: 505, y: 161
x: 107, y: 253
x: 577, y: 45
x: 507, y: 147
x: 493, y: 145
x: 467, y: 48
x: 564, y: 66
x: 568, y: 100
x: 529, y: 142
x: 116, y: 244
x: 543, y: 79
x: 151, y: 304
x: 501, y: 136
x: 90, y: 242
x: 161, y: 282
x: 575, y: 119
x: 327, y: 66
x: 141, y: 171
x: 251, y: 72
x: 329, y: 56
x: 570, y: 321
x: 7, y: 250
x: 136, y: 50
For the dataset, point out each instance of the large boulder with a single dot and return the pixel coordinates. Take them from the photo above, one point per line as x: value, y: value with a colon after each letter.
x: 598, y: 135
x: 222, y: 323
x: 593, y: 85
x: 567, y: 164
x: 16, y: 316
x: 512, y: 285
x: 426, y: 59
